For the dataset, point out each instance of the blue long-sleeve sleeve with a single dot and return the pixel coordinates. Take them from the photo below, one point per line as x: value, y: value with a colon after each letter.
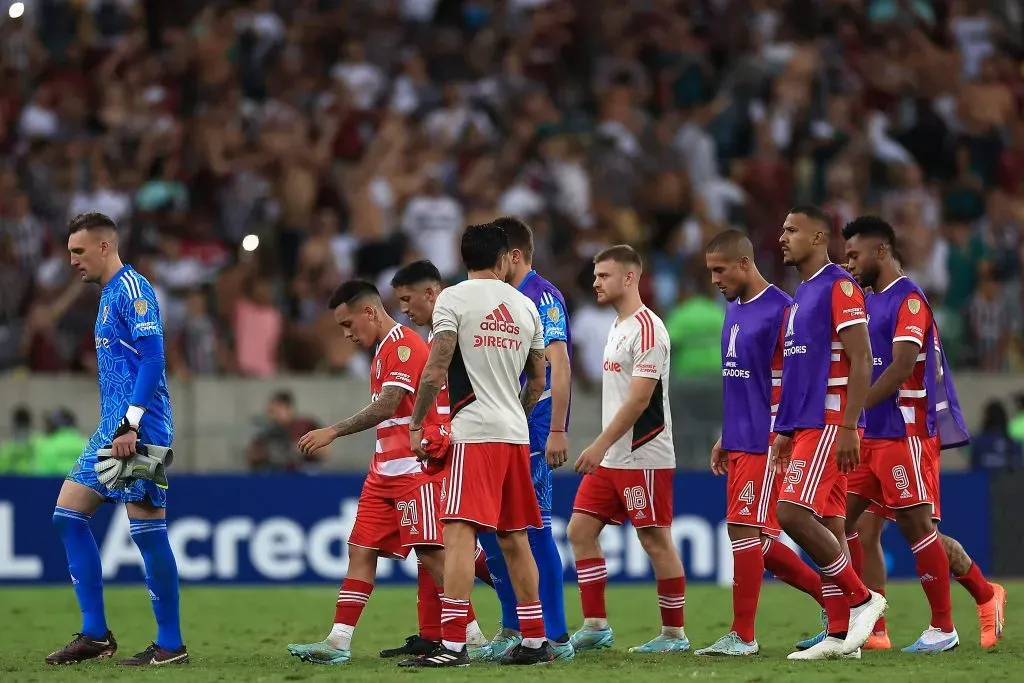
x: 151, y: 369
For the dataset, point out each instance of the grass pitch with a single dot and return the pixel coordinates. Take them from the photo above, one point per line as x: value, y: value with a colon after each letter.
x: 239, y: 634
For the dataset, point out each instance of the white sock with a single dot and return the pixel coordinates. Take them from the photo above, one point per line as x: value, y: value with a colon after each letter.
x: 533, y: 643
x: 341, y: 636
x: 454, y: 647
x: 595, y: 624
x: 474, y: 633
x: 673, y: 632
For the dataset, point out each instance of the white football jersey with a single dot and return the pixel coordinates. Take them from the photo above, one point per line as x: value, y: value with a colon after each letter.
x: 497, y: 327
x: 638, y: 346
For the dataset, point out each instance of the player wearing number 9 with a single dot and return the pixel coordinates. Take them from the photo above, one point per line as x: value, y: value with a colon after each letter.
x: 752, y: 346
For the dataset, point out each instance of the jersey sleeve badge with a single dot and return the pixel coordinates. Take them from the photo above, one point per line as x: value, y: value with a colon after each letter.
x: 404, y: 353
x: 141, y: 306
x: 914, y: 305
x: 847, y: 287
x: 553, y: 314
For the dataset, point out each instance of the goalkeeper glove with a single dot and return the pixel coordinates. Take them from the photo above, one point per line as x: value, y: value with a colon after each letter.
x: 149, y: 462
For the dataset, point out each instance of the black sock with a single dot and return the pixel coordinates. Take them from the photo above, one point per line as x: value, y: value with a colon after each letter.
x: 863, y: 602
x: 841, y: 635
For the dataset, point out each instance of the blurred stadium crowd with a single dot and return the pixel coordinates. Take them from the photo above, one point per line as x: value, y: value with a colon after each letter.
x: 351, y: 136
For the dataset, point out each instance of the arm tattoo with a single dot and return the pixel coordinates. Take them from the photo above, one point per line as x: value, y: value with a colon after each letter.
x: 959, y: 561
x: 534, y: 386
x: 372, y: 415
x: 442, y: 350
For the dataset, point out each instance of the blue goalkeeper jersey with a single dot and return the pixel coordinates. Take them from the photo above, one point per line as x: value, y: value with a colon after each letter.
x: 551, y: 306
x: 128, y: 311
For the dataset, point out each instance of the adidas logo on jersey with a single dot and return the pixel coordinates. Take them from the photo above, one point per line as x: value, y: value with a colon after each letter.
x: 500, y: 320
x: 745, y: 510
x: 905, y: 494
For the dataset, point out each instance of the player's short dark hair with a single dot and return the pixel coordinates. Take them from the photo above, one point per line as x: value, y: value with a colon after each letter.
x: 815, y: 213
x: 520, y: 236
x: 622, y: 254
x: 351, y: 291
x: 871, y: 226
x: 483, y: 246
x: 416, y: 273
x: 730, y: 243
x: 91, y: 220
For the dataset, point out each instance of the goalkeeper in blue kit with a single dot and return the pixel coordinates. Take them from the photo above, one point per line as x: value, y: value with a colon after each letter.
x: 135, y: 409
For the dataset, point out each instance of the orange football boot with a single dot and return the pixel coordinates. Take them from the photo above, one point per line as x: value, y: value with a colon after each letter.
x: 991, y: 617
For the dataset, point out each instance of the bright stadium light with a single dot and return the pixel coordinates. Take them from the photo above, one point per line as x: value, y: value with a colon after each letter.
x: 250, y: 242
x: 16, y: 10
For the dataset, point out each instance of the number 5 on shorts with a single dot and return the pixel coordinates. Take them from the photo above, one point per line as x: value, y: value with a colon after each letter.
x: 796, y: 471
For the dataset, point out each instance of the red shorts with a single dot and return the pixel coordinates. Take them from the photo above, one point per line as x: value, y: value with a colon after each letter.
x: 753, y: 492
x: 927, y: 451
x: 489, y: 485
x: 392, y: 526
x: 813, y: 480
x: 890, y: 473
x: 613, y: 495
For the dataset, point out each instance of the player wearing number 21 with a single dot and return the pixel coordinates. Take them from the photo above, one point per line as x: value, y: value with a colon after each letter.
x: 826, y: 373
x: 399, y: 504
x: 629, y: 467
x: 752, y: 344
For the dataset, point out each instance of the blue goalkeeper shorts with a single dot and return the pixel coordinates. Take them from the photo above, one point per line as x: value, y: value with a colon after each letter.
x: 539, y: 468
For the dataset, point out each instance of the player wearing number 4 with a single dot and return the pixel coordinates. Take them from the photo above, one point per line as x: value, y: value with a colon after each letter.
x: 752, y: 346
x: 399, y: 505
x: 629, y: 467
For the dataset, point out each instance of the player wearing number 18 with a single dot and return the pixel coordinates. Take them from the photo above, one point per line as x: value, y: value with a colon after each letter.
x: 752, y: 346
x: 629, y: 467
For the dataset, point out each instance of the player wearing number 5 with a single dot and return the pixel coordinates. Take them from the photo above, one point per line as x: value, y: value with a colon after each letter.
x: 629, y: 467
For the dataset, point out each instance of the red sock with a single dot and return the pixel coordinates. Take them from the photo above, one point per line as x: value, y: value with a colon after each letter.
x: 879, y: 628
x: 352, y: 599
x: 428, y: 604
x: 454, y: 617
x: 856, y: 552
x: 592, y: 577
x: 531, y: 619
x: 976, y: 584
x: 748, y: 570
x: 671, y: 600
x: 786, y: 566
x: 841, y: 574
x: 933, y: 569
x: 482, y: 572
x: 836, y: 607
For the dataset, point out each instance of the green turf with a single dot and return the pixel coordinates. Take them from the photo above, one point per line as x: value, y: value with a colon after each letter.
x: 239, y: 634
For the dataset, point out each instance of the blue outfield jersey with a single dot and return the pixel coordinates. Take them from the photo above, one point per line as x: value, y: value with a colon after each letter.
x: 128, y: 310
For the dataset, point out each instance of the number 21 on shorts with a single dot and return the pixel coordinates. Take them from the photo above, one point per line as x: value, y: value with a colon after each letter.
x: 408, y: 510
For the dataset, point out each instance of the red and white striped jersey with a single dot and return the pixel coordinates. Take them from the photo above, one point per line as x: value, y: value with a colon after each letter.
x: 847, y: 309
x: 913, y: 321
x: 398, y: 362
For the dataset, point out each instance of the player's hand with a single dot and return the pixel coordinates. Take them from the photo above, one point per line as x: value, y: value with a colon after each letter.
x: 781, y: 450
x: 416, y: 442
x: 589, y: 460
x: 313, y: 441
x: 719, y: 459
x: 556, y: 451
x: 123, y: 445
x: 847, y: 450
